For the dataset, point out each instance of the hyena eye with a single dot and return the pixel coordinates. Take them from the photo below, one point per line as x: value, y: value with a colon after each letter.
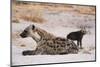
x: 33, y: 27
x: 25, y: 31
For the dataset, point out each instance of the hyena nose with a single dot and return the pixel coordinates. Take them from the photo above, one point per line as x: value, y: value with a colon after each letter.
x: 23, y: 35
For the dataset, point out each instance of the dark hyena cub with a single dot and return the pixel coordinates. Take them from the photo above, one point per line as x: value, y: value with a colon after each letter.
x: 78, y: 35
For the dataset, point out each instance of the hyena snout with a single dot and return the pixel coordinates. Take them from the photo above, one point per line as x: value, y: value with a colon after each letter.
x: 24, y: 34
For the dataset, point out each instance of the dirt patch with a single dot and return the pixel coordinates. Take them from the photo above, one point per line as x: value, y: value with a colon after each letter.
x: 22, y: 45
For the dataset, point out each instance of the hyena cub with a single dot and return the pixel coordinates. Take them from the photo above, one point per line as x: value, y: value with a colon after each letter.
x: 78, y: 35
x: 48, y: 43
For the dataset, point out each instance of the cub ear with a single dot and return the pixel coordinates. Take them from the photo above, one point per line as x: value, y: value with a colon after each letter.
x: 33, y: 27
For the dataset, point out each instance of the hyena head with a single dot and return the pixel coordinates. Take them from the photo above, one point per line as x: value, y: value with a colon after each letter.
x: 28, y: 32
x: 83, y: 31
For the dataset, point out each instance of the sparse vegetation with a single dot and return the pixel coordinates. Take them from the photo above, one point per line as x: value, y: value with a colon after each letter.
x: 15, y: 20
x: 22, y: 45
x: 34, y: 18
x: 25, y: 10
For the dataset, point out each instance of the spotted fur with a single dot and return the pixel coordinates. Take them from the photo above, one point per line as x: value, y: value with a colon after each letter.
x: 48, y: 43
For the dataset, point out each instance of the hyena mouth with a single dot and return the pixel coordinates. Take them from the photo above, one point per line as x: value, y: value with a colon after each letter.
x: 23, y: 35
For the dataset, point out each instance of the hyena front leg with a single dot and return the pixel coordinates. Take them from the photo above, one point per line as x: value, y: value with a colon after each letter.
x: 78, y: 43
x: 38, y: 51
x: 81, y: 44
x: 28, y: 52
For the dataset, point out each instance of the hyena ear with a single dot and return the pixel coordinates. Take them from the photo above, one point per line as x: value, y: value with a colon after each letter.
x: 33, y: 27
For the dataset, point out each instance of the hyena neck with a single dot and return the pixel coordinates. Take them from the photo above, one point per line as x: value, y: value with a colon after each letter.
x: 44, y: 35
x: 40, y: 33
x: 35, y: 38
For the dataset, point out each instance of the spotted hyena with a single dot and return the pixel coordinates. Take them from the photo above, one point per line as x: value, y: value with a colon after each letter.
x: 47, y: 43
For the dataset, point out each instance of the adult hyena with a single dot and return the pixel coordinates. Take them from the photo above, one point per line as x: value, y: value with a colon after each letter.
x: 47, y: 43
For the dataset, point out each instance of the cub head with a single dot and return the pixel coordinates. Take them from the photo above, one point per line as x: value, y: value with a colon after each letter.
x: 83, y: 31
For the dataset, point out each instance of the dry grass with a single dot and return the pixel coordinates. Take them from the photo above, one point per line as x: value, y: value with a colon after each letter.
x: 85, y: 10
x: 15, y: 20
x: 28, y: 13
x: 34, y: 18
x: 34, y: 12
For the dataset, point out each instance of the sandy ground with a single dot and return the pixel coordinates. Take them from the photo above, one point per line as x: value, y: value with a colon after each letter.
x: 59, y: 24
